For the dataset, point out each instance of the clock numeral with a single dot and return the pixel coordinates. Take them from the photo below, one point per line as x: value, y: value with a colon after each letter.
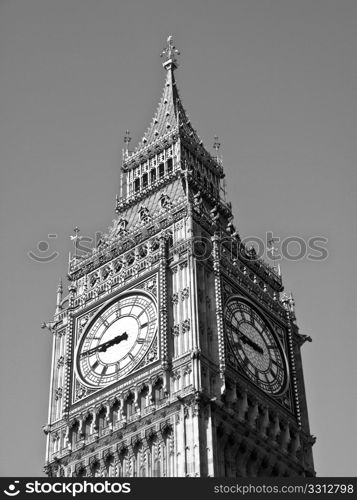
x: 141, y: 341
x: 104, y: 371
x: 131, y: 356
x: 144, y: 325
x: 94, y: 366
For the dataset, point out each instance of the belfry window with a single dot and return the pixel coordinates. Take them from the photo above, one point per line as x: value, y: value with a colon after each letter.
x: 153, y: 175
x: 161, y: 170
x: 145, y: 180
x: 169, y: 165
x: 137, y: 185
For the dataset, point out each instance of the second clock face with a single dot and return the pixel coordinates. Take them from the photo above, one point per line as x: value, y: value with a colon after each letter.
x: 116, y: 340
x: 255, y: 346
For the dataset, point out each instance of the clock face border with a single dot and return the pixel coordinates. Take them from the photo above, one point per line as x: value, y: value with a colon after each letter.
x: 262, y: 343
x: 150, y: 337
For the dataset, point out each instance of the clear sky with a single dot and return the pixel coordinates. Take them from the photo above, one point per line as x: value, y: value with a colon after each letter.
x: 275, y: 79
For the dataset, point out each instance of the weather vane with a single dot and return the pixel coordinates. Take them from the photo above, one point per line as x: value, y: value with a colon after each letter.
x: 170, y: 52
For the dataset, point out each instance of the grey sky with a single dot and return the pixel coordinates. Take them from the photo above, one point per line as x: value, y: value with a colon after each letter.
x: 276, y: 80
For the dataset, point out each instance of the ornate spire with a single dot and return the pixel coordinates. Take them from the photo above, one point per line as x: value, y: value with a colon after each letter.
x: 170, y: 116
x: 170, y: 52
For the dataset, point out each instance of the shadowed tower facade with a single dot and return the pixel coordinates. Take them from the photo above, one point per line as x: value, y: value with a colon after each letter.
x: 175, y: 351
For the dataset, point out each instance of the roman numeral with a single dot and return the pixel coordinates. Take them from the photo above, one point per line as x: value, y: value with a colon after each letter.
x: 144, y: 325
x: 94, y: 366
x: 131, y: 356
x: 104, y: 371
x: 141, y: 341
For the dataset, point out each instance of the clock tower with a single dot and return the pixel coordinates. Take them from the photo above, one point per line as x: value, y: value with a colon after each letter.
x: 175, y: 352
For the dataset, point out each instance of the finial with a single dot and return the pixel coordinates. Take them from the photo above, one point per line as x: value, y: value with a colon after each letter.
x: 216, y: 144
x: 127, y: 139
x: 59, y: 296
x: 170, y: 52
x: 76, y: 238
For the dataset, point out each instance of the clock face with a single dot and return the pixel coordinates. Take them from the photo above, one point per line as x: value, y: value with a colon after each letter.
x: 116, y: 340
x: 255, y: 347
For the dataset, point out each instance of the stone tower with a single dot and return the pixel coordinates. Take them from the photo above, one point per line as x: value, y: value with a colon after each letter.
x: 175, y: 352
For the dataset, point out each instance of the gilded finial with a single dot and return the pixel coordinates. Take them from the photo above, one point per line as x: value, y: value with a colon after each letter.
x: 170, y: 52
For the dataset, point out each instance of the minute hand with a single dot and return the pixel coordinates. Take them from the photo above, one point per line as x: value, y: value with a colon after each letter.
x: 247, y: 340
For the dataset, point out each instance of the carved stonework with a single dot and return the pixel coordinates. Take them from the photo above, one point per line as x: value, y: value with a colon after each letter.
x: 81, y: 392
x: 149, y: 285
x: 58, y: 393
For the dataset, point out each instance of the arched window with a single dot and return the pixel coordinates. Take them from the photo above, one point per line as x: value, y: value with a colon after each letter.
x: 144, y: 396
x: 130, y: 406
x: 74, y: 433
x: 161, y: 170
x: 169, y: 165
x: 153, y: 175
x: 137, y: 185
x: 95, y: 468
x: 159, y: 393
x: 108, y: 465
x: 116, y: 412
x: 87, y: 427
x: 102, y: 420
x: 145, y: 180
x: 157, y: 468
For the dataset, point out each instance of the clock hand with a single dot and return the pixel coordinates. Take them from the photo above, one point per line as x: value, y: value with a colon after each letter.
x: 252, y: 344
x: 114, y: 341
x: 104, y: 347
x: 246, y: 340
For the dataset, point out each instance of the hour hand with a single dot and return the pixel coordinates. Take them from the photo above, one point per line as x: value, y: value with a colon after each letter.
x: 114, y: 341
x: 104, y: 347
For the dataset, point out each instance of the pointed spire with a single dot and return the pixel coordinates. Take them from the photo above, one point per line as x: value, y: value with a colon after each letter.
x: 170, y: 116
